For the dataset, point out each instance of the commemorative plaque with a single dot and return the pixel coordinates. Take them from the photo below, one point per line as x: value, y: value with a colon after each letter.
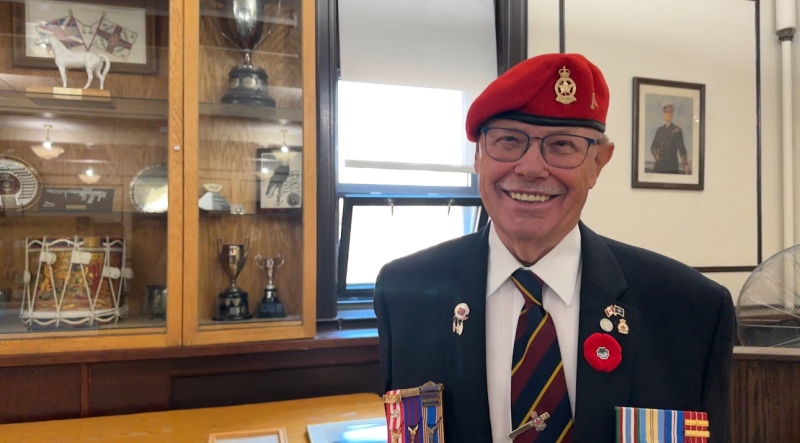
x: 20, y: 185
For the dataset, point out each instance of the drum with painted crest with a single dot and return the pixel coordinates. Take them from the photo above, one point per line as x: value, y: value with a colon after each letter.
x: 74, y: 281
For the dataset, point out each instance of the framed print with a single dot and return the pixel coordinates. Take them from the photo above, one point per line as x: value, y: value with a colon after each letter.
x: 668, y: 134
x: 83, y: 199
x: 120, y: 30
x: 371, y: 430
x: 277, y: 435
x: 280, y: 184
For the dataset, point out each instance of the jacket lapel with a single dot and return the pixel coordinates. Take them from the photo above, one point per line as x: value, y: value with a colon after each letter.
x: 466, y: 353
x: 602, y: 282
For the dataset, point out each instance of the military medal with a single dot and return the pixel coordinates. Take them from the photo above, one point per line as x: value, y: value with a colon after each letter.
x: 623, y: 326
x: 461, y: 315
x: 394, y: 413
x: 565, y: 87
x: 412, y: 409
x: 606, y: 325
x: 430, y: 396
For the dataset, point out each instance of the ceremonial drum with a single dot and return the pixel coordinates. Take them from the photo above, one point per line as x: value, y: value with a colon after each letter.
x: 74, y: 281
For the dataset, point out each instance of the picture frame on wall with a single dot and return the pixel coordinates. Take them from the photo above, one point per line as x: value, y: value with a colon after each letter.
x: 668, y: 134
x: 280, y: 183
x: 121, y: 30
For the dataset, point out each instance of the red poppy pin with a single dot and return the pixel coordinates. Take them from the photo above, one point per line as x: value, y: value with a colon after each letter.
x: 602, y: 352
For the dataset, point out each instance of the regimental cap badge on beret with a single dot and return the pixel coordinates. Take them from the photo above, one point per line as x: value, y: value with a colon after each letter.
x: 565, y: 87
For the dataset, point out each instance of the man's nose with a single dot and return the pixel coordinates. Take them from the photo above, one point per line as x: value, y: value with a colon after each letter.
x: 532, y: 165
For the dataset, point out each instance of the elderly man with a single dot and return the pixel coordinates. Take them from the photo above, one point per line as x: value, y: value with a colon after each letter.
x: 537, y: 327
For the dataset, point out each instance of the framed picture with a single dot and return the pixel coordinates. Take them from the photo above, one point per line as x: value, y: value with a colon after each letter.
x: 84, y: 199
x: 259, y: 436
x: 120, y: 30
x: 280, y: 184
x: 668, y: 134
x: 371, y: 430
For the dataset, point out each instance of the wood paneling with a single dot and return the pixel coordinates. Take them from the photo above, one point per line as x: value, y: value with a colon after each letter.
x: 40, y: 393
x: 121, y: 388
x: 47, y: 391
x: 265, y: 386
x: 765, y: 400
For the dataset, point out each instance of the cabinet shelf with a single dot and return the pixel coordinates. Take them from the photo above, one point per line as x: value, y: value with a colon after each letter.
x: 32, y: 103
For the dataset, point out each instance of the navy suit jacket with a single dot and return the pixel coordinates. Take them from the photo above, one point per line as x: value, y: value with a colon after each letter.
x: 677, y: 354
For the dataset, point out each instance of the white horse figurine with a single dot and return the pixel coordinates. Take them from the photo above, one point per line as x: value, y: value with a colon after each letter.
x: 93, y: 63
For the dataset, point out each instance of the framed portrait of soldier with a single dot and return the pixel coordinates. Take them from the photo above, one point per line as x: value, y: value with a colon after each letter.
x: 280, y: 184
x: 668, y: 134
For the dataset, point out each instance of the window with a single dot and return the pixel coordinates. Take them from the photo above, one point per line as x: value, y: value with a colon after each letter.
x: 378, y: 229
x: 402, y: 136
x: 409, y: 70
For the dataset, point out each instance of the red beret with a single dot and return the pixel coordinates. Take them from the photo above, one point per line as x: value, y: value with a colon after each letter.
x: 547, y: 90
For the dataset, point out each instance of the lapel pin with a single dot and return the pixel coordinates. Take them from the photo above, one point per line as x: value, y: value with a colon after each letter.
x: 602, y: 352
x: 606, y: 325
x: 618, y: 310
x: 623, y: 326
x: 609, y: 311
x: 461, y: 315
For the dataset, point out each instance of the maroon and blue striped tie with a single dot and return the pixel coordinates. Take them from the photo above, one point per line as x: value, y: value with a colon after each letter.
x: 538, y: 384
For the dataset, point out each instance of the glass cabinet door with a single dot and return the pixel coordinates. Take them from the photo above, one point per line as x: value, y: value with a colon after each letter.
x: 86, y: 176
x: 250, y: 171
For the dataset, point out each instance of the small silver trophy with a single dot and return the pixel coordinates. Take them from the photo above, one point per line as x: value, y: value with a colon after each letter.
x: 271, y: 306
x: 243, y: 25
x: 233, y: 300
x: 157, y: 301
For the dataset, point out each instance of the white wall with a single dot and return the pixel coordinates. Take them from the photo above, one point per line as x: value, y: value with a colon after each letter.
x: 710, y: 42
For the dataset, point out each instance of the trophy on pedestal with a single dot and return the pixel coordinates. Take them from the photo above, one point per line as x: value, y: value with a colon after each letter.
x: 243, y: 24
x: 271, y: 306
x: 233, y: 300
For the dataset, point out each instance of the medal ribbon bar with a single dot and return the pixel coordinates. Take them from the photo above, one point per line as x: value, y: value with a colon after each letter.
x: 641, y: 425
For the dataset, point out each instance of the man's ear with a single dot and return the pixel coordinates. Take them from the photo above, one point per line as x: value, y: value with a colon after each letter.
x: 604, y: 154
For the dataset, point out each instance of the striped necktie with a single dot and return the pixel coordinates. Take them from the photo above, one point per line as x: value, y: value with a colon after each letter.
x: 538, y: 385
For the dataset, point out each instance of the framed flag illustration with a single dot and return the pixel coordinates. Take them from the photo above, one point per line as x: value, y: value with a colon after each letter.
x: 123, y: 32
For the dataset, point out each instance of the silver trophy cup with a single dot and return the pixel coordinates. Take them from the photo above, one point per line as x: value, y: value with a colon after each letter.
x: 233, y: 300
x: 271, y: 306
x: 243, y: 23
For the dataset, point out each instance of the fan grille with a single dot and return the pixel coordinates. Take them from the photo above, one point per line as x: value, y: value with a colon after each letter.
x: 768, y: 310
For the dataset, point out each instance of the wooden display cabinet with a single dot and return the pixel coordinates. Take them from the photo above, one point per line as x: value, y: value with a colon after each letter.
x: 172, y: 116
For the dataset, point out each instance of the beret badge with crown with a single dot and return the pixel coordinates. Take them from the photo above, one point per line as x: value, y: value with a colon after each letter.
x: 565, y: 87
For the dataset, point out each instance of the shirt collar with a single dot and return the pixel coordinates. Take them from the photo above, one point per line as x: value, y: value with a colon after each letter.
x: 558, y: 269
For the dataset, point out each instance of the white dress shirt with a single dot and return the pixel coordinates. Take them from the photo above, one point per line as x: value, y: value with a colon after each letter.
x: 560, y: 270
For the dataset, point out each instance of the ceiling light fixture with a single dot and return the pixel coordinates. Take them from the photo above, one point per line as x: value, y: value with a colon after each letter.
x: 46, y: 151
x: 284, y: 148
x: 89, y: 176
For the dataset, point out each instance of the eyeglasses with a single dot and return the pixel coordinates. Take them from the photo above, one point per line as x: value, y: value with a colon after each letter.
x: 564, y: 151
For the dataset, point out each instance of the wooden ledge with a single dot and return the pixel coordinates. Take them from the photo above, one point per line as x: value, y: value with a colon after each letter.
x: 324, y: 340
x: 771, y: 354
